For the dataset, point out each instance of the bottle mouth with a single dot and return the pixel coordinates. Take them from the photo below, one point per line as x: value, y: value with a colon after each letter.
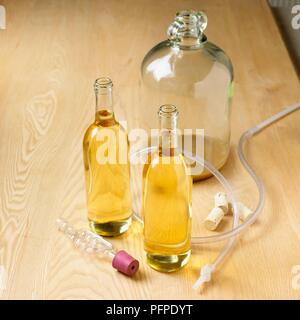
x: 188, y: 24
x: 168, y: 111
x: 103, y: 82
x: 189, y: 17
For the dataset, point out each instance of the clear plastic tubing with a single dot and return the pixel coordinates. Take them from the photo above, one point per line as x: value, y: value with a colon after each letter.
x: 261, y: 191
x: 236, y: 227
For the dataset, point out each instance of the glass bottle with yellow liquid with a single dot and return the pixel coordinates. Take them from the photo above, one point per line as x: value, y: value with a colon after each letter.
x: 105, y: 149
x: 167, y: 199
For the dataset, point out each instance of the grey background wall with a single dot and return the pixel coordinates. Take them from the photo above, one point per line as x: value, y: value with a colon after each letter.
x: 282, y: 10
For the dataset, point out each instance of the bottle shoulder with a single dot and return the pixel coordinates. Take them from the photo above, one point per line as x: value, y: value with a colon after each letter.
x: 95, y: 129
x: 176, y: 61
x: 219, y: 55
x: 167, y: 173
x: 90, y: 132
x: 162, y: 163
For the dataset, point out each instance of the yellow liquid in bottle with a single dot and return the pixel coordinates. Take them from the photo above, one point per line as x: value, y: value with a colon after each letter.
x: 107, y: 184
x: 167, y: 194
x: 215, y: 151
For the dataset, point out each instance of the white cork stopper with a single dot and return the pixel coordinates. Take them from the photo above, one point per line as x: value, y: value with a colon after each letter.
x: 244, y: 211
x: 214, y: 218
x: 221, y: 201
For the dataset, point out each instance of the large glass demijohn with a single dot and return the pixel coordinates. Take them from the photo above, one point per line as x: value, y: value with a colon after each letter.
x: 196, y: 76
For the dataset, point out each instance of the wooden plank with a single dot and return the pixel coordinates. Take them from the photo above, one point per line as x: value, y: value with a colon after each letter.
x: 50, y: 54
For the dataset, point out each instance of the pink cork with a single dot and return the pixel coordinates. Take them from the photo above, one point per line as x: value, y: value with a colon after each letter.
x: 125, y: 263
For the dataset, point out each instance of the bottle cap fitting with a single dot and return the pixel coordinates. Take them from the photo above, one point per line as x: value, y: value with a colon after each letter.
x: 125, y: 263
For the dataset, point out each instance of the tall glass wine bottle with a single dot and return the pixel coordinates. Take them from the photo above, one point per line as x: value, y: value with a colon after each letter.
x: 105, y: 149
x: 167, y: 193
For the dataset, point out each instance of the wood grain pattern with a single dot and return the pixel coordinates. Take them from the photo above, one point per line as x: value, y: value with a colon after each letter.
x: 50, y: 54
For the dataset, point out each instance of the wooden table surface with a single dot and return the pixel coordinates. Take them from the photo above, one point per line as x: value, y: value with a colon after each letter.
x: 50, y: 54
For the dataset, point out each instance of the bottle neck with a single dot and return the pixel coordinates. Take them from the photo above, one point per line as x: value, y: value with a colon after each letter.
x: 168, y: 140
x: 104, y: 99
x: 104, y: 102
x: 187, y: 29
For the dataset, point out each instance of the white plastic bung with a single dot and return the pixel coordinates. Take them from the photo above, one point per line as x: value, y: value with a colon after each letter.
x: 244, y: 211
x: 221, y: 201
x: 214, y: 218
